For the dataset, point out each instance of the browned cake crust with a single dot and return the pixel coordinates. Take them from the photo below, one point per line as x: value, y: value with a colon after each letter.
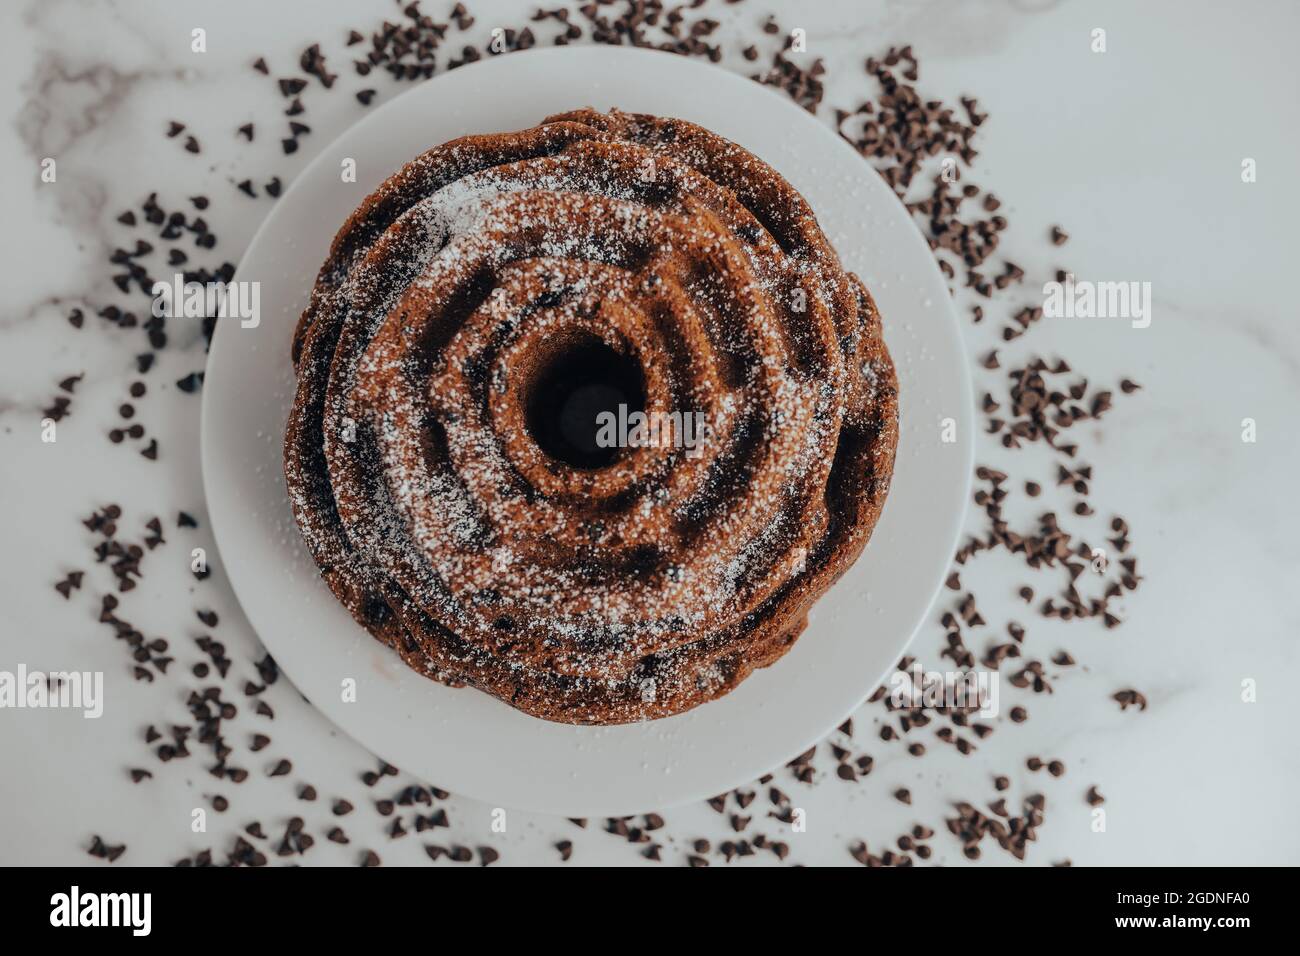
x: 646, y: 585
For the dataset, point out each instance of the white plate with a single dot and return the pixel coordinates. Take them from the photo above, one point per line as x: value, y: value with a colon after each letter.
x: 466, y: 741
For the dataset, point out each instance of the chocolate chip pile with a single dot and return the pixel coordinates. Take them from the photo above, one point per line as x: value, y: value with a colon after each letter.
x: 924, y: 148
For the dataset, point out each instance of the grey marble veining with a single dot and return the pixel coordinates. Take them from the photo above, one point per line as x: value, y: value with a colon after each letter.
x: 1136, y: 152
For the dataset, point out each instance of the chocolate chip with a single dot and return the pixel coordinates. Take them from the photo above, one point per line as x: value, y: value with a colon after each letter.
x: 190, y: 383
x: 1127, y: 698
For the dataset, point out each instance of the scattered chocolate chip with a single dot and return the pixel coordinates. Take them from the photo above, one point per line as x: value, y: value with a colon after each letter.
x: 103, y: 851
x: 1127, y: 698
x: 190, y: 383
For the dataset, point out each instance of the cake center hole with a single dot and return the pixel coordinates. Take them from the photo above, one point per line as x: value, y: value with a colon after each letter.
x: 572, y: 388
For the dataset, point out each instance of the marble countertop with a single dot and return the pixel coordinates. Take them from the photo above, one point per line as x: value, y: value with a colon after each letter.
x: 1137, y: 152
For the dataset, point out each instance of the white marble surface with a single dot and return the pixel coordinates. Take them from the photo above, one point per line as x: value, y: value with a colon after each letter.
x: 1136, y: 152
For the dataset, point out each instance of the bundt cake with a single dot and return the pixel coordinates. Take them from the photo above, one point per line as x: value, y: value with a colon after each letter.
x: 481, y: 320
